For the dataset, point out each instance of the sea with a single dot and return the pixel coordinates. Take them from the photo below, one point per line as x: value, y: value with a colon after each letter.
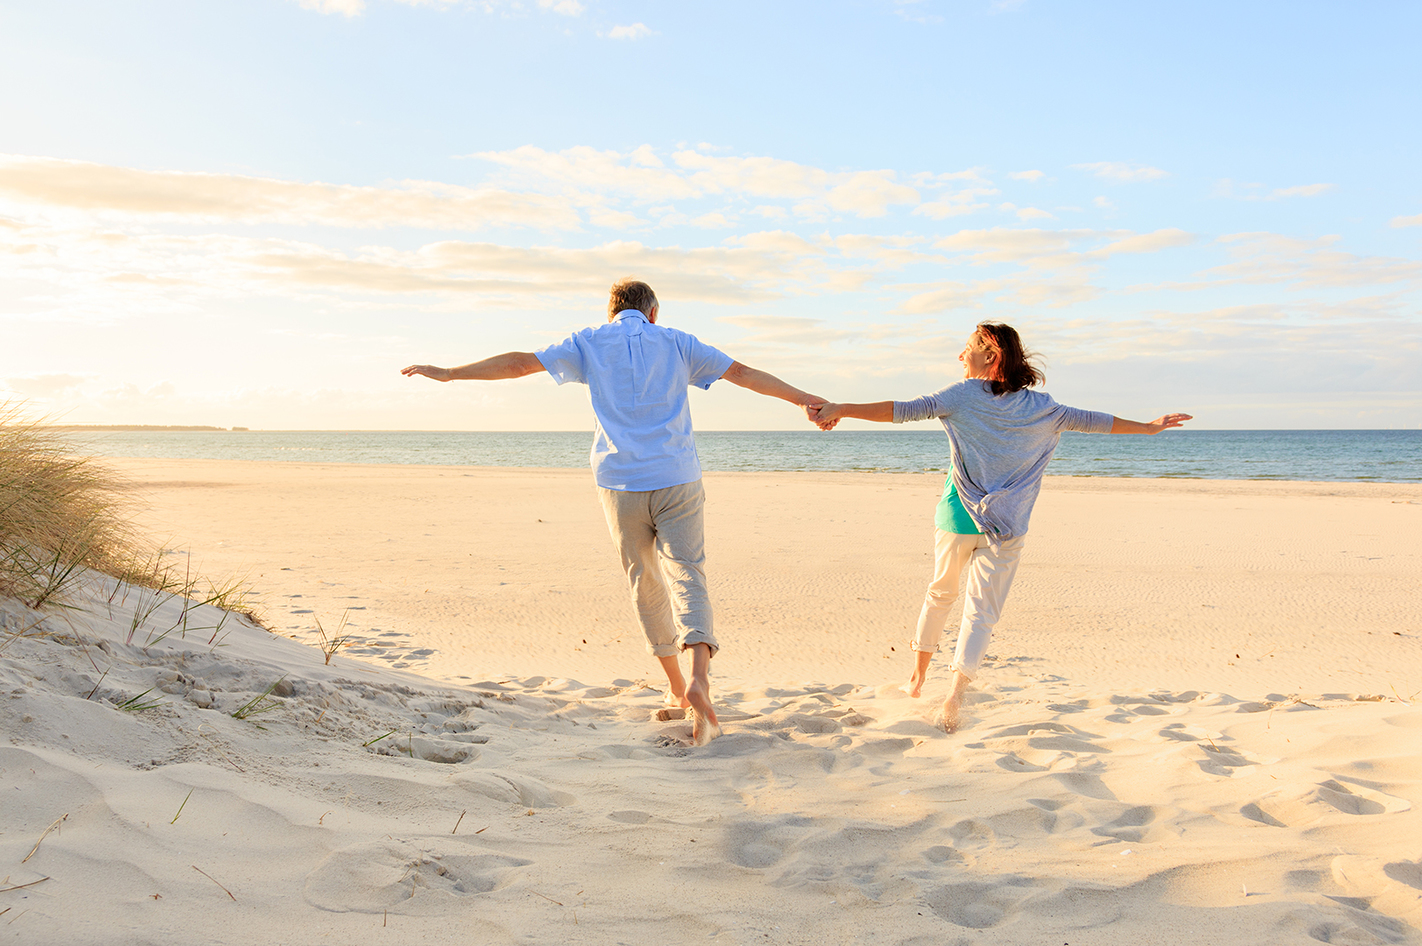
x: 1387, y: 456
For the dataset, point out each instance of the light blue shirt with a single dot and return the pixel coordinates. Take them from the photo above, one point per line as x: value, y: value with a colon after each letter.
x: 637, y: 375
x: 1001, y: 446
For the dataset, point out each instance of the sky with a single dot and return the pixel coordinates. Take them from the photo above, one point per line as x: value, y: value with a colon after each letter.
x: 255, y: 213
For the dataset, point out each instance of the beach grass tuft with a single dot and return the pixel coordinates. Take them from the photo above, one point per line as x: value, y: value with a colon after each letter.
x: 330, y: 643
x: 261, y: 703
x: 139, y: 703
x: 63, y: 515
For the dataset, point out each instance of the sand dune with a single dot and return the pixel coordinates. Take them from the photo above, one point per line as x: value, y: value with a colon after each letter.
x: 1117, y: 782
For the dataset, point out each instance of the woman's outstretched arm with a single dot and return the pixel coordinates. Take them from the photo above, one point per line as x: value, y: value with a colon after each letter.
x: 827, y: 415
x: 1119, y: 425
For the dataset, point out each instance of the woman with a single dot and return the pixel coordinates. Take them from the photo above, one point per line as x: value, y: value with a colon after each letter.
x: 1002, y: 437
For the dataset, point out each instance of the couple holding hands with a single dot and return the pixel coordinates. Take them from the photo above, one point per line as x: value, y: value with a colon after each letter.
x: 648, y: 474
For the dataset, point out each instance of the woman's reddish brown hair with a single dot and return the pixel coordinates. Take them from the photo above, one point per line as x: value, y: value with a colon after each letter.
x: 1015, y: 367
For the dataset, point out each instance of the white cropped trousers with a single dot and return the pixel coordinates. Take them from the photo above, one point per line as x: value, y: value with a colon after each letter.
x: 990, y: 573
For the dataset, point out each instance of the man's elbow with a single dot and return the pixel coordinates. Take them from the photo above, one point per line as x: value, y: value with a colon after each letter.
x: 736, y: 374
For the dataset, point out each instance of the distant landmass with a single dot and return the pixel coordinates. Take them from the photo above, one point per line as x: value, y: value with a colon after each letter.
x: 136, y: 427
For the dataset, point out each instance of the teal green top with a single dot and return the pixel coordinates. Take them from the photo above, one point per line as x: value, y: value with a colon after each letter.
x: 951, y: 516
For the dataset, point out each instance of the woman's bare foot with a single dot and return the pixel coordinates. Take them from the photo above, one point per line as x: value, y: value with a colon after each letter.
x: 950, y: 716
x: 919, y: 677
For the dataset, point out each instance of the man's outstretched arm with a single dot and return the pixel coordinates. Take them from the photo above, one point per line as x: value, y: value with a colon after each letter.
x: 514, y: 364
x: 763, y: 382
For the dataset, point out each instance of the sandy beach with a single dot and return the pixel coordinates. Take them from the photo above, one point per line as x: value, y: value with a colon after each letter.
x: 1197, y: 722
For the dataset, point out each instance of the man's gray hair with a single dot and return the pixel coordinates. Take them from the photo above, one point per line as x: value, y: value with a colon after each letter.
x: 631, y: 294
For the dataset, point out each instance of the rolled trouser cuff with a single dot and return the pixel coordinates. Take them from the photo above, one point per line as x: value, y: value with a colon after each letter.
x: 692, y: 638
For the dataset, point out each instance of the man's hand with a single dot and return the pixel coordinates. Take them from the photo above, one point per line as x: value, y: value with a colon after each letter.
x: 826, y: 415
x: 812, y: 406
x: 428, y: 371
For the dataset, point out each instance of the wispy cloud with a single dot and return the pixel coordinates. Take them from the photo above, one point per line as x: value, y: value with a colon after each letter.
x: 345, y: 7
x: 105, y: 189
x: 1120, y: 171
x: 1237, y: 191
x: 1413, y: 221
x: 1033, y: 176
x: 1273, y: 258
x: 634, y: 31
x: 642, y: 174
x: 357, y: 7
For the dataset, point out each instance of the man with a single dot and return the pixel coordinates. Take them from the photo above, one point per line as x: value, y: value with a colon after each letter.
x: 647, y: 470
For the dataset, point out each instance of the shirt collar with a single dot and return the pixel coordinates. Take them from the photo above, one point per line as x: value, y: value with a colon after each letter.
x: 631, y: 314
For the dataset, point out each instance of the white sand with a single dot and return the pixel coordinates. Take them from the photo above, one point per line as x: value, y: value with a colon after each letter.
x: 1197, y: 724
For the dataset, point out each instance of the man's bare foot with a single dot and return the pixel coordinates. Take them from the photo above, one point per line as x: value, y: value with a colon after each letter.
x: 704, y: 725
x: 914, y: 687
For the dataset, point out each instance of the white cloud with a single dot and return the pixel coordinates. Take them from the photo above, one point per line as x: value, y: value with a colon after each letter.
x: 1008, y: 245
x: 1305, y: 190
x: 108, y: 190
x: 1147, y: 242
x: 966, y: 201
x: 565, y: 7
x: 1034, y: 213
x: 712, y: 221
x: 1272, y: 258
x: 1104, y: 203
x: 45, y: 385
x: 1244, y: 191
x: 635, y: 31
x: 638, y: 174
x: 870, y: 194
x: 1033, y: 176
x: 1120, y: 171
x: 347, y: 7
x: 1413, y: 221
x: 944, y: 297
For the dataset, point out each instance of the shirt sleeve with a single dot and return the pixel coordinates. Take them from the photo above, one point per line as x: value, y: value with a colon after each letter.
x: 923, y: 408
x: 564, y: 360
x: 1088, y: 422
x: 704, y: 363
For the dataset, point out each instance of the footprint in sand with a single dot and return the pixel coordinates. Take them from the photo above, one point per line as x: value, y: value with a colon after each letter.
x: 979, y: 906
x: 761, y: 844
x: 1229, y: 762
x: 1254, y: 812
x: 425, y: 878
x: 1405, y: 872
x: 1136, y: 825
x: 1355, y: 799
x: 630, y: 817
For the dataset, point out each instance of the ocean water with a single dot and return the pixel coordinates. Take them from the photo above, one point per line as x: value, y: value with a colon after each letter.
x: 1393, y: 456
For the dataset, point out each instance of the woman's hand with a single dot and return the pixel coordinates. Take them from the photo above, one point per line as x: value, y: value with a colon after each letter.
x: 1168, y: 421
x: 826, y: 415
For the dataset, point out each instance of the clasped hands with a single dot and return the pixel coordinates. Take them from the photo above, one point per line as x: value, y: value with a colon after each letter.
x: 823, y: 414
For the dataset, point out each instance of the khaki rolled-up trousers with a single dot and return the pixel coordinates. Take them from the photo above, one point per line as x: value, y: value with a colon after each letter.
x: 660, y: 535
x: 991, y: 569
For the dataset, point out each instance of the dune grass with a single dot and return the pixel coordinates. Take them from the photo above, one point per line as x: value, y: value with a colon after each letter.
x: 63, y: 515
